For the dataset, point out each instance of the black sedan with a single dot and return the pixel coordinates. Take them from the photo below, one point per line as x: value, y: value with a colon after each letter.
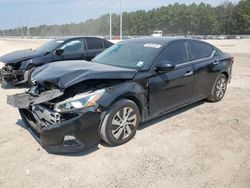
x: 19, y: 65
x: 73, y: 107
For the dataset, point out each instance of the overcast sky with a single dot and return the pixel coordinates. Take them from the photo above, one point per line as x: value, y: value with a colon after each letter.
x: 14, y: 13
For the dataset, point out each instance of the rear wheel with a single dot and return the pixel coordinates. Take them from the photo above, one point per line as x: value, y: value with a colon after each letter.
x: 120, y: 123
x: 219, y: 89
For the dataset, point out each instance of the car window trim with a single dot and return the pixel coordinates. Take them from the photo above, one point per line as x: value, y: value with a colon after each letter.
x: 197, y: 60
x: 84, y: 45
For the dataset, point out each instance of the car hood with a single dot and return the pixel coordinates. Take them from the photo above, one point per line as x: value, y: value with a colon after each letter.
x: 67, y: 73
x: 20, y: 55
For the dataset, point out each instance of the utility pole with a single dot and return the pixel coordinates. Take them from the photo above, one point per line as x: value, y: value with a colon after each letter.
x: 121, y: 20
x: 28, y: 28
x: 22, y: 31
x: 21, y: 23
x: 28, y: 32
x: 110, y: 22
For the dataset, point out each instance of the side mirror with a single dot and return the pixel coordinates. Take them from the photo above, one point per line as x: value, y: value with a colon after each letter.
x: 164, y: 66
x: 59, y: 51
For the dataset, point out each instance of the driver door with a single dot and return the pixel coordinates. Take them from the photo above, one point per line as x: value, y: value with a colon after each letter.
x: 172, y: 89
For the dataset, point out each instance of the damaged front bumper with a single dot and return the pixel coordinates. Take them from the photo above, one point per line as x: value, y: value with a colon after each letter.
x: 74, y: 133
x: 58, y: 133
x: 9, y: 76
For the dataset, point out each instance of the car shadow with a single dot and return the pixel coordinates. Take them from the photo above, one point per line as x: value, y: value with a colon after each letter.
x: 169, y: 115
x: 141, y: 127
x: 82, y: 153
x: 24, y: 86
x: 20, y: 123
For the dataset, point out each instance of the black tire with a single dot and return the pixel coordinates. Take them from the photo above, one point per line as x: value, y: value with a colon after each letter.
x: 31, y: 70
x: 120, y: 122
x: 219, y: 89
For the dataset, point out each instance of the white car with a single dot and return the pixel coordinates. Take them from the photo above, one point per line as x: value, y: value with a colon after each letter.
x: 222, y: 37
x: 157, y: 33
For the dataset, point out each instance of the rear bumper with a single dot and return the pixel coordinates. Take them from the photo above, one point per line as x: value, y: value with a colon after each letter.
x: 82, y: 129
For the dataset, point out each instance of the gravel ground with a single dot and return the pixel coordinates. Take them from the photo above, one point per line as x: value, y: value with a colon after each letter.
x: 202, y: 145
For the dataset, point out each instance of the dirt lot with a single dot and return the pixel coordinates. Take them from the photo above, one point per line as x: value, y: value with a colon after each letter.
x: 202, y: 145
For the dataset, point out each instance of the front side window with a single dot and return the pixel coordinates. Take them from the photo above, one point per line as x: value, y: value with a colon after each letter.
x: 73, y: 46
x: 199, y: 50
x: 175, y: 53
x: 128, y: 55
x: 94, y: 43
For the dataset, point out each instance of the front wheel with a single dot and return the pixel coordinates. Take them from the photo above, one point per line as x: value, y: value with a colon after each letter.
x: 219, y: 89
x: 120, y: 122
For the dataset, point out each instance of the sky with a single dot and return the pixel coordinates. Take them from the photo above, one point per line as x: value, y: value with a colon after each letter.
x: 16, y: 13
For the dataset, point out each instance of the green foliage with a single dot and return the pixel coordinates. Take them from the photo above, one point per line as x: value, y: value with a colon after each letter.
x: 199, y: 19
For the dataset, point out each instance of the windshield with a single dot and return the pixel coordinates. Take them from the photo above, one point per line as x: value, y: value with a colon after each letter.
x: 128, y: 55
x: 49, y: 46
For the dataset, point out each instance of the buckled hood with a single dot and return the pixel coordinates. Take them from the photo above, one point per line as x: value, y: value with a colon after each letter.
x: 67, y: 73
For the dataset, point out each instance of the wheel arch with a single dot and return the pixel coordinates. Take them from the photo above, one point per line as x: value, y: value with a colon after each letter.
x: 226, y: 74
x: 130, y: 91
x: 133, y: 98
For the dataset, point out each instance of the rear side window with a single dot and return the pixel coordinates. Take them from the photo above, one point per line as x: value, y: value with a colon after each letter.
x: 107, y: 44
x: 199, y: 50
x: 175, y: 53
x: 94, y: 43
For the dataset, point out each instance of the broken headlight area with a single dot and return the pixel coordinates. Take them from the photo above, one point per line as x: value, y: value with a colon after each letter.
x: 32, y: 97
x: 47, y: 109
x: 11, y: 73
x: 45, y: 118
x: 79, y: 102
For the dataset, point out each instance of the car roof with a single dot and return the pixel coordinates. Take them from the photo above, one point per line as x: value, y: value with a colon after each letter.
x: 161, y: 40
x: 76, y: 37
x: 155, y: 40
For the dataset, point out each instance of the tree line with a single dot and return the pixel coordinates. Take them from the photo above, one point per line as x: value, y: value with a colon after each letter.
x: 194, y: 19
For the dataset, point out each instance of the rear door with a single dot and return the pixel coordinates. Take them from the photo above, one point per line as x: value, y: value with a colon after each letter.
x: 94, y: 47
x: 204, y: 59
x: 173, y: 89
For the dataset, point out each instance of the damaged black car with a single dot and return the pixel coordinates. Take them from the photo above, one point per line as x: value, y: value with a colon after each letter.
x: 74, y: 107
x: 19, y: 65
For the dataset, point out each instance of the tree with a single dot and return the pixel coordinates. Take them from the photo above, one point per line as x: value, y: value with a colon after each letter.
x: 199, y: 19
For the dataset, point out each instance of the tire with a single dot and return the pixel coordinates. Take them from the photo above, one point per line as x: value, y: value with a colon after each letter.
x: 31, y: 70
x: 120, y: 122
x: 219, y: 89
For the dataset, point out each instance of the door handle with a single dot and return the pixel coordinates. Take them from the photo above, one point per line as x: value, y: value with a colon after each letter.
x: 189, y: 73
x: 216, y: 62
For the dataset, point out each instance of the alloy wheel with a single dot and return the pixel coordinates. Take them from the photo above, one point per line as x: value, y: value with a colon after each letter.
x: 123, y: 123
x: 221, y: 88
